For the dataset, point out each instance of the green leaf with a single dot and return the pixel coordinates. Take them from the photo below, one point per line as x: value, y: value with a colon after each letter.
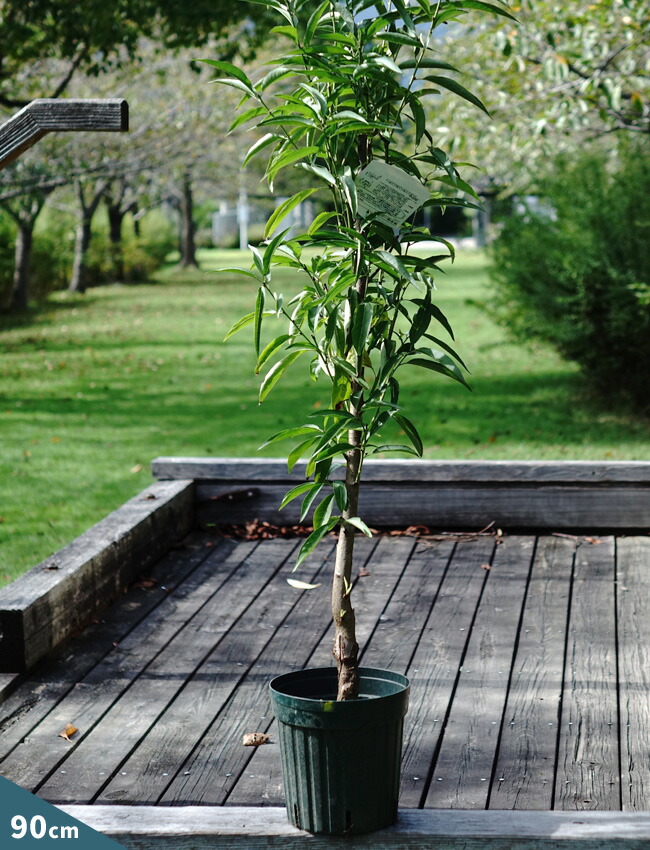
x: 340, y: 494
x: 320, y: 219
x: 296, y: 453
x: 424, y: 62
x: 361, y: 325
x: 289, y: 433
x: 357, y: 522
x: 447, y: 348
x: 235, y: 270
x: 227, y: 68
x: 331, y: 451
x: 314, y: 539
x: 480, y: 6
x: 276, y: 372
x: 434, y: 366
x: 269, y: 350
x: 324, y: 511
x: 255, y: 112
x: 285, y: 208
x: 289, y: 158
x: 411, y: 432
x: 259, y: 314
x: 319, y: 171
x: 350, y: 191
x: 457, y: 88
x: 285, y: 29
x: 269, y: 250
x: 437, y: 314
x: 309, y: 500
x: 236, y: 84
x: 419, y: 118
x: 259, y: 145
x: 400, y: 38
x: 297, y: 491
x: 248, y: 319
x: 314, y: 21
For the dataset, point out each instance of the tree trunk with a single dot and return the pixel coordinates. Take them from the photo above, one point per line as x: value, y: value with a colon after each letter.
x: 346, y: 648
x: 83, y: 235
x: 115, y: 220
x: 188, y: 247
x: 79, y: 279
x: 20, y: 288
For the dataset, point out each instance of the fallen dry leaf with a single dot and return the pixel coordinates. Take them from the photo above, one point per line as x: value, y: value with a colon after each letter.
x: 301, y: 585
x: 255, y: 739
x: 136, y: 468
x: 68, y: 732
x: 595, y: 541
x: 485, y: 566
x: 364, y: 572
x: 145, y: 583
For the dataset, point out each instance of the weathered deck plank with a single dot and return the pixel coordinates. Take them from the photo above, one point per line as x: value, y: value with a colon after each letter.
x: 434, y: 668
x: 464, y: 766
x: 45, y: 686
x: 526, y: 756
x: 203, y: 705
x: 588, y: 770
x: 633, y: 592
x: 101, y: 752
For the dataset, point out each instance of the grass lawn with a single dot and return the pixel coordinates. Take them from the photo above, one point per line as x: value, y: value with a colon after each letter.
x: 92, y: 388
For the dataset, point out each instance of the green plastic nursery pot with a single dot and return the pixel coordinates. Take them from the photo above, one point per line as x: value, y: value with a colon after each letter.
x: 340, y: 760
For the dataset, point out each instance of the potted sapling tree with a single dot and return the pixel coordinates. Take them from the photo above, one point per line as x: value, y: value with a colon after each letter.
x: 344, y: 103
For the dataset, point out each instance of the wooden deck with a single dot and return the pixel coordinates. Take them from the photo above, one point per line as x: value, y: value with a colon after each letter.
x: 527, y: 657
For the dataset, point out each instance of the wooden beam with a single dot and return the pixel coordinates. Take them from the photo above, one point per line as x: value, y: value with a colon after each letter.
x: 47, y: 115
x: 48, y: 604
x: 235, y: 828
x: 421, y: 471
x: 594, y: 496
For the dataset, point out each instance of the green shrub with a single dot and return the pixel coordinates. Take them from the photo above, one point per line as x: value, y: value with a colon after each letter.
x: 576, y: 274
x: 141, y: 255
x: 50, y: 260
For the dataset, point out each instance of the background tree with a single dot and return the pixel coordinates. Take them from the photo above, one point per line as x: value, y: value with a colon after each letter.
x: 564, y: 74
x: 92, y: 37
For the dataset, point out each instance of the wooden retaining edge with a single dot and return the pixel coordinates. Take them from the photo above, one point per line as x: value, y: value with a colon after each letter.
x: 52, y: 601
x: 440, y: 494
x: 235, y: 828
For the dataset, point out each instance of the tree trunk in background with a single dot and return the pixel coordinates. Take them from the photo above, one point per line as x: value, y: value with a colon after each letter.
x: 24, y: 213
x: 115, y: 219
x: 188, y: 246
x: 20, y: 287
x: 83, y: 235
x: 87, y: 209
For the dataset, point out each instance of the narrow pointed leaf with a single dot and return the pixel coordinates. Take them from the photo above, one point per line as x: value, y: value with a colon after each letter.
x: 285, y: 208
x: 259, y: 314
x: 246, y: 320
x: 314, y: 539
x: 295, y: 492
x: 455, y: 87
x: 276, y: 372
x: 357, y: 522
x: 411, y: 432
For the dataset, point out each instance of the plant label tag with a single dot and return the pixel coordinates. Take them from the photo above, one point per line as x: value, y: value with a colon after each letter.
x: 387, y: 189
